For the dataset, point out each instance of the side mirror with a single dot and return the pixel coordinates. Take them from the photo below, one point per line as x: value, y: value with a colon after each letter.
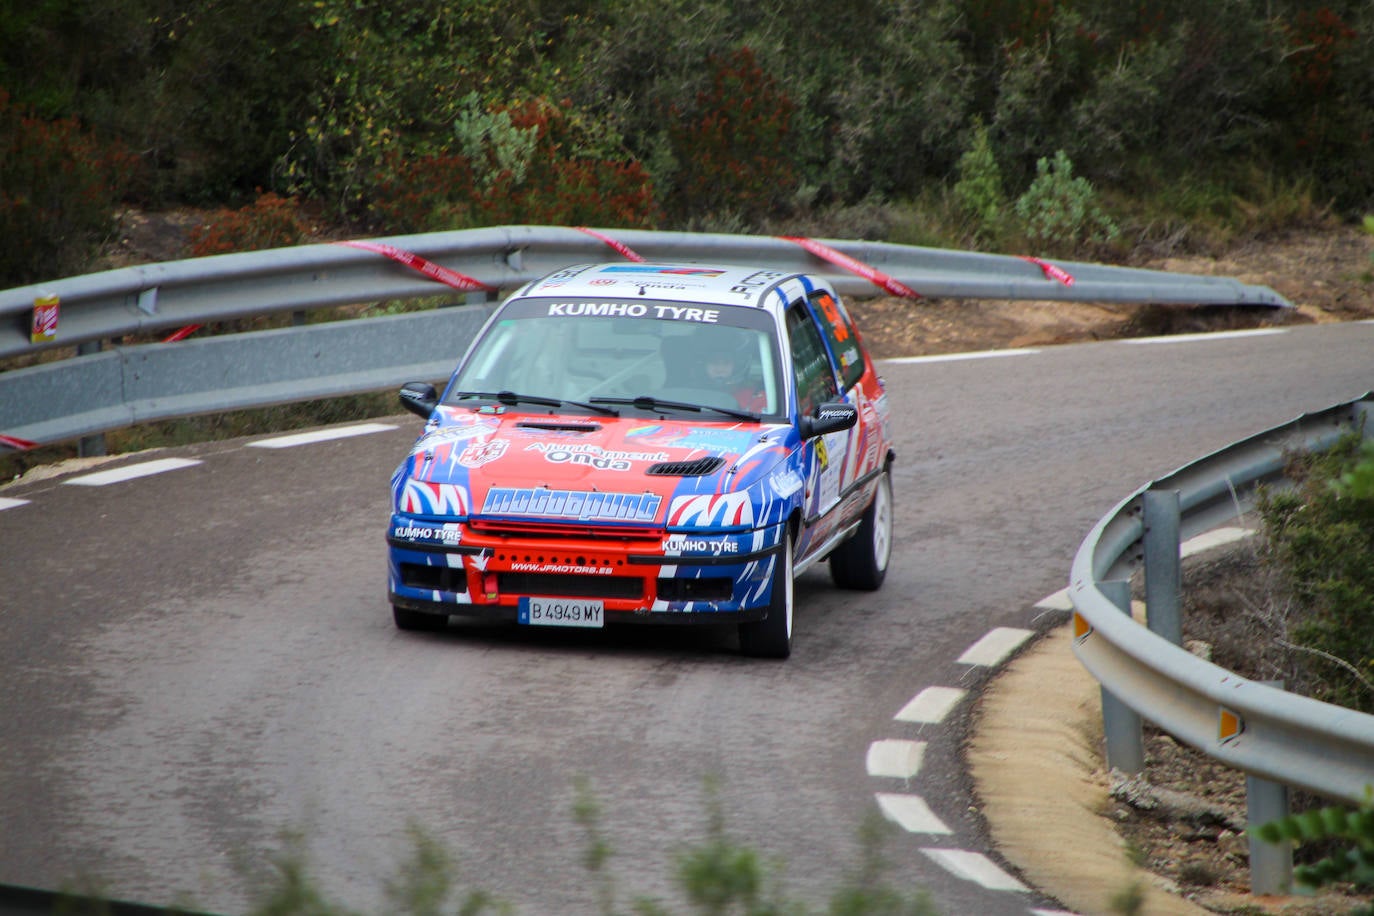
x: 829, y: 418
x: 419, y: 398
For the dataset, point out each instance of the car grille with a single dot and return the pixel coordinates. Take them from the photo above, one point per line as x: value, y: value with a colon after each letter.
x: 570, y: 585
x: 434, y: 578
x: 700, y: 467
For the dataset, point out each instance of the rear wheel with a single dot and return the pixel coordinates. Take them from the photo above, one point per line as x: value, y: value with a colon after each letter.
x: 861, y: 561
x: 772, y: 636
x: 417, y: 620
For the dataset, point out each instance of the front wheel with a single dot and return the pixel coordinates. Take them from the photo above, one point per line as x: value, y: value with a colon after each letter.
x: 771, y: 637
x: 861, y: 561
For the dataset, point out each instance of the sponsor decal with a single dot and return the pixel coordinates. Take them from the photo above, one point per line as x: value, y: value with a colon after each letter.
x: 725, y: 441
x: 564, y: 568
x: 593, y: 456
x: 755, y: 282
x: 678, y: 544
x: 542, y: 502
x: 478, y: 454
x: 785, y: 483
x: 633, y: 310
x: 641, y: 270
x: 422, y: 497
x: 449, y: 534
x: 706, y: 511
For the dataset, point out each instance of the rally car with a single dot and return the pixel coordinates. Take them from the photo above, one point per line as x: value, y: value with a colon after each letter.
x: 646, y: 443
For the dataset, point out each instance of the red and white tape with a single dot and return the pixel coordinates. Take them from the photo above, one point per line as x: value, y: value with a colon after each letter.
x: 840, y: 259
x: 1051, y: 271
x: 19, y: 445
x: 620, y: 248
x: 434, y: 271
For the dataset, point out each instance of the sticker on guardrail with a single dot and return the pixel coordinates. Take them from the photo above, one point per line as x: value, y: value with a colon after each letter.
x: 625, y: 251
x: 1050, y: 270
x: 44, y: 325
x: 840, y: 259
x: 434, y: 271
x: 17, y: 444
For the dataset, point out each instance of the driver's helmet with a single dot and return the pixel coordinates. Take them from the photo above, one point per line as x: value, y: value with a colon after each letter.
x: 727, y: 364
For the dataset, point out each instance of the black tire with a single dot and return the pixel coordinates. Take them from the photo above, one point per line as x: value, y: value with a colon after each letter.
x: 772, y: 636
x: 417, y: 620
x: 861, y: 562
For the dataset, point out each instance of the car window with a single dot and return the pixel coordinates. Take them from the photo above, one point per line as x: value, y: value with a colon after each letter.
x: 841, y: 336
x: 814, y: 376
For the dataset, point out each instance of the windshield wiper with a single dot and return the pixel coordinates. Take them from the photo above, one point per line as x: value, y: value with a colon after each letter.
x: 511, y: 398
x: 647, y: 402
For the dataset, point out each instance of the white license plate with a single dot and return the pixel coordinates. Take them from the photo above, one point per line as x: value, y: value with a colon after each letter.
x: 562, y: 612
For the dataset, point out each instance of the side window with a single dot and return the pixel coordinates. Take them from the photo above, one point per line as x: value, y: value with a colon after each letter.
x: 841, y: 336
x: 811, y: 366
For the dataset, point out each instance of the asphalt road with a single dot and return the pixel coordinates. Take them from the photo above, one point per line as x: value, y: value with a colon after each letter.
x: 192, y: 663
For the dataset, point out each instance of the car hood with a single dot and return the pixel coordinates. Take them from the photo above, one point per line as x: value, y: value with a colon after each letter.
x: 631, y: 471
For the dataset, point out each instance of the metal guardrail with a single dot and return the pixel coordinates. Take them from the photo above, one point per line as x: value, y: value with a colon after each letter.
x: 1261, y: 730
x: 155, y: 297
x: 130, y: 384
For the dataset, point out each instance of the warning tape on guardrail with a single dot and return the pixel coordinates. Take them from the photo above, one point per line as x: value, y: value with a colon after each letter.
x: 1051, y: 271
x: 625, y: 251
x: 434, y: 271
x: 840, y: 259
x: 182, y: 333
x: 17, y: 444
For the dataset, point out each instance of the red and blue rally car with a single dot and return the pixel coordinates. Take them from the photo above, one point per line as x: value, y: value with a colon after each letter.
x: 646, y: 443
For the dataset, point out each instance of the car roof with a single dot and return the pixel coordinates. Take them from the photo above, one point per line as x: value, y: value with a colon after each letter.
x: 697, y: 283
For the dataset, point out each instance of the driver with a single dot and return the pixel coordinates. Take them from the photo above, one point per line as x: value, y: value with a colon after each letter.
x: 726, y: 369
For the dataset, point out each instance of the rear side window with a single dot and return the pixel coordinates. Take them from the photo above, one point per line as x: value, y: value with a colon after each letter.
x: 814, y: 376
x: 841, y: 336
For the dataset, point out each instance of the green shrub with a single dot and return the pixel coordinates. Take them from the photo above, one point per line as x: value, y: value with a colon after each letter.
x: 979, y: 188
x: 1354, y: 863
x: 1059, y: 211
x: 1321, y: 536
x: 59, y: 187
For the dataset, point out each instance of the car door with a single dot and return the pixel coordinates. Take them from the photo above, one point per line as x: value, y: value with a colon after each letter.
x: 860, y: 446
x: 815, y: 383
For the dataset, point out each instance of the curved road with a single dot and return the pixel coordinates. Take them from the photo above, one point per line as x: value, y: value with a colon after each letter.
x: 194, y: 661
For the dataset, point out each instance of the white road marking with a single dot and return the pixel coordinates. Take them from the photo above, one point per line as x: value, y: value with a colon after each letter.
x: 931, y: 705
x: 976, y: 867
x: 1214, y: 335
x: 951, y: 357
x: 131, y: 472
x: 994, y: 648
x: 322, y: 435
x: 911, y: 813
x: 6, y: 503
x: 1214, y: 538
x: 898, y: 759
x: 1053, y: 913
x: 1059, y: 601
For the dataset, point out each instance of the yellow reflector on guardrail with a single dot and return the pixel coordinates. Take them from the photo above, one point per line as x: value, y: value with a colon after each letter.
x: 1081, y: 628
x: 1231, y: 725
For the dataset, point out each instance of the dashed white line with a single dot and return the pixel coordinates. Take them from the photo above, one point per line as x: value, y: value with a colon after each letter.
x: 976, y: 867
x: 131, y: 472
x: 951, y: 357
x: 898, y: 759
x: 994, y: 648
x: 931, y: 705
x: 322, y: 435
x: 911, y: 813
x: 1212, y: 335
x: 6, y: 503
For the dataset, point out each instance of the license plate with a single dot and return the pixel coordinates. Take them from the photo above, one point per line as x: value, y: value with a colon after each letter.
x: 562, y: 612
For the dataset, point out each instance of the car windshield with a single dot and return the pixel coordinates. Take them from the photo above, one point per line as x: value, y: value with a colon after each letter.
x: 586, y: 351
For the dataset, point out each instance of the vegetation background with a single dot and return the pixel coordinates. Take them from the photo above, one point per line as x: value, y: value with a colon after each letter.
x: 1096, y: 127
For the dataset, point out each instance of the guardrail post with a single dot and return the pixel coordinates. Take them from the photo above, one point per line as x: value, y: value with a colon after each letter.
x: 90, y: 446
x: 1163, y: 568
x: 1120, y: 723
x: 1271, y: 864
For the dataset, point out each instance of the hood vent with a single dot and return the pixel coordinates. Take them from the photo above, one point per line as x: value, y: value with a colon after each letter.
x: 699, y: 467
x: 556, y: 427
